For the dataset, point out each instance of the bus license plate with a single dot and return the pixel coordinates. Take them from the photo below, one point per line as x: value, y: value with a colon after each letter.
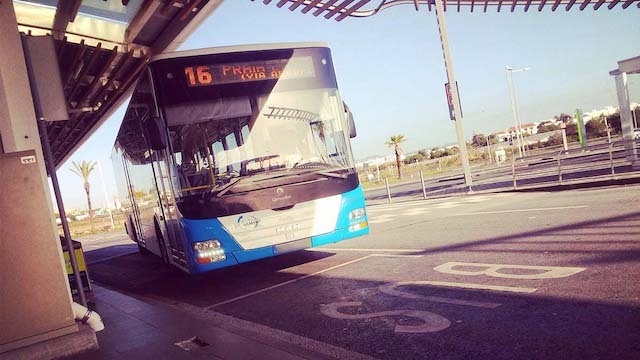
x: 293, y: 246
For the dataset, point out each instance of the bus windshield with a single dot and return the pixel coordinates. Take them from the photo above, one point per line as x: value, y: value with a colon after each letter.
x: 251, y: 125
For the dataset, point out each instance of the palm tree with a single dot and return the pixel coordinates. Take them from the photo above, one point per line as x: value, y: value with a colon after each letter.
x: 83, y: 170
x: 395, y: 142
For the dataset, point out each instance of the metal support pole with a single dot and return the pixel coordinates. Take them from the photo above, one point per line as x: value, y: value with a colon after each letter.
x: 50, y: 163
x: 514, y: 107
x: 513, y: 172
x: 564, y: 137
x: 448, y: 64
x: 48, y: 157
x: 424, y: 190
x: 613, y: 169
x: 386, y: 183
x: 559, y: 169
x: 106, y: 196
x: 606, y: 124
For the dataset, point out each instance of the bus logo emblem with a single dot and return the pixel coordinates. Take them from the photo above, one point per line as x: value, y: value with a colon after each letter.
x: 279, y: 191
x: 288, y: 229
x: 247, y: 222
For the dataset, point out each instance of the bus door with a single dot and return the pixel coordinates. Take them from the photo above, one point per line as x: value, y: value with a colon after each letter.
x: 135, y: 210
x: 168, y: 208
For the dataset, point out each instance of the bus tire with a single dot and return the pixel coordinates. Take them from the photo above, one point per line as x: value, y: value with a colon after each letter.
x: 163, y: 248
x: 143, y: 250
x: 132, y: 234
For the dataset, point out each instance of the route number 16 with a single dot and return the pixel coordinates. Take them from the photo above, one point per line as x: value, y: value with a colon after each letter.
x: 200, y: 76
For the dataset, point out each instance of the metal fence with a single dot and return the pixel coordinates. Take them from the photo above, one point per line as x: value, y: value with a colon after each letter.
x: 604, y: 161
x: 591, y: 163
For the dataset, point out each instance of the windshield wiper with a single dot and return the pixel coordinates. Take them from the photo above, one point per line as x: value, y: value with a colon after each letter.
x: 332, y: 173
x: 224, y: 189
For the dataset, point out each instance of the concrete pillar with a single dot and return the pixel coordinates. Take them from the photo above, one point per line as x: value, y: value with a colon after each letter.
x: 626, y: 118
x: 18, y: 127
x: 19, y: 132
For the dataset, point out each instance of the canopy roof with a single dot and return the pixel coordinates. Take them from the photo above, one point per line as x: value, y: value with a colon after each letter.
x: 101, y: 48
x: 341, y: 9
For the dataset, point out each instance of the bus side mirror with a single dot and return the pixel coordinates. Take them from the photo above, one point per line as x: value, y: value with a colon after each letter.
x: 352, y: 124
x: 156, y: 134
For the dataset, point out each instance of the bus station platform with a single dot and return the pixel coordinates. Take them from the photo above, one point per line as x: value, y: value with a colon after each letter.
x: 136, y: 329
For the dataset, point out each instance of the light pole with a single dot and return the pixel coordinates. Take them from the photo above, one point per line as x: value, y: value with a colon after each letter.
x: 514, y: 106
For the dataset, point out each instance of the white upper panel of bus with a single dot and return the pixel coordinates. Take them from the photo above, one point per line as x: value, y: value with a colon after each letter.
x: 238, y: 48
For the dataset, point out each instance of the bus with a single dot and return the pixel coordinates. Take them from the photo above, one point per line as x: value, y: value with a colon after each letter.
x: 232, y: 154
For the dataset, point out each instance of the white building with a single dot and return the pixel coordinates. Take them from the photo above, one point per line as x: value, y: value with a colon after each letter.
x: 512, y: 133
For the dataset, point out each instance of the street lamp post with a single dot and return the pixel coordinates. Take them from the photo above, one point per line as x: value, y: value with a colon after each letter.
x: 514, y: 106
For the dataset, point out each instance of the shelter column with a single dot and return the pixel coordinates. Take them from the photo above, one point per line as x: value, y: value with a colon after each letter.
x: 18, y: 126
x: 626, y: 119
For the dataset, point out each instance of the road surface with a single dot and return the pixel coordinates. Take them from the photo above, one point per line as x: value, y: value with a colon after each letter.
x: 498, y: 276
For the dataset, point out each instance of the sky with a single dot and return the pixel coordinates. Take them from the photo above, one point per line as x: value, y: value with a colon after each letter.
x: 391, y: 71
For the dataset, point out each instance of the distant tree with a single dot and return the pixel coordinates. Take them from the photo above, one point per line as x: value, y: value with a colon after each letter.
x: 547, y: 126
x: 394, y: 142
x: 437, y: 153
x: 563, y: 117
x: 451, y: 151
x: 413, y: 159
x: 555, y: 139
x: 614, y: 122
x: 84, y: 169
x: 596, y: 127
x: 424, y: 153
x: 572, y: 130
x: 479, y: 140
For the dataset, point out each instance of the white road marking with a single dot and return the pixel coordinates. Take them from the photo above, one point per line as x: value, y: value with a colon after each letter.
x: 396, y: 256
x: 448, y: 205
x: 521, y: 210
x: 390, y: 289
x: 224, y: 321
x: 431, y: 322
x: 415, y: 212
x: 548, y: 272
x: 476, y: 199
x: 381, y: 219
x: 480, y: 286
x: 286, y: 282
x: 366, y: 250
x: 305, y: 277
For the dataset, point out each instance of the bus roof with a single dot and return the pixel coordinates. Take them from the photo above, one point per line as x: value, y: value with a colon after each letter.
x: 238, y: 48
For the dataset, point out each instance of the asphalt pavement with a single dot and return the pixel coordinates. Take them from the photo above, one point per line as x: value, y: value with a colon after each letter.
x: 536, y: 275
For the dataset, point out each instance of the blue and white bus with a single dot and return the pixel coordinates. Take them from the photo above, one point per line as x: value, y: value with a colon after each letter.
x: 232, y: 154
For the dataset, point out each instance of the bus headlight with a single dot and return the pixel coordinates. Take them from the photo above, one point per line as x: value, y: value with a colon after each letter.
x: 208, y: 251
x: 357, y: 213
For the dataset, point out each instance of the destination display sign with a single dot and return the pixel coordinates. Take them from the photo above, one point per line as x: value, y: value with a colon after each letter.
x: 219, y: 74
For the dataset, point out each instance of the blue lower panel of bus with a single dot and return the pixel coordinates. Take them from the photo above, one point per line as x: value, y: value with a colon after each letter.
x: 203, y: 230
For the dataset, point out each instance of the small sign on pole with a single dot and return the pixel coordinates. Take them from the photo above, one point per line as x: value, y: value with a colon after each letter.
x: 447, y: 90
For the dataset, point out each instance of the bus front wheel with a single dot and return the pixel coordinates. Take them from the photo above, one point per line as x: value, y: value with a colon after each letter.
x: 163, y: 248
